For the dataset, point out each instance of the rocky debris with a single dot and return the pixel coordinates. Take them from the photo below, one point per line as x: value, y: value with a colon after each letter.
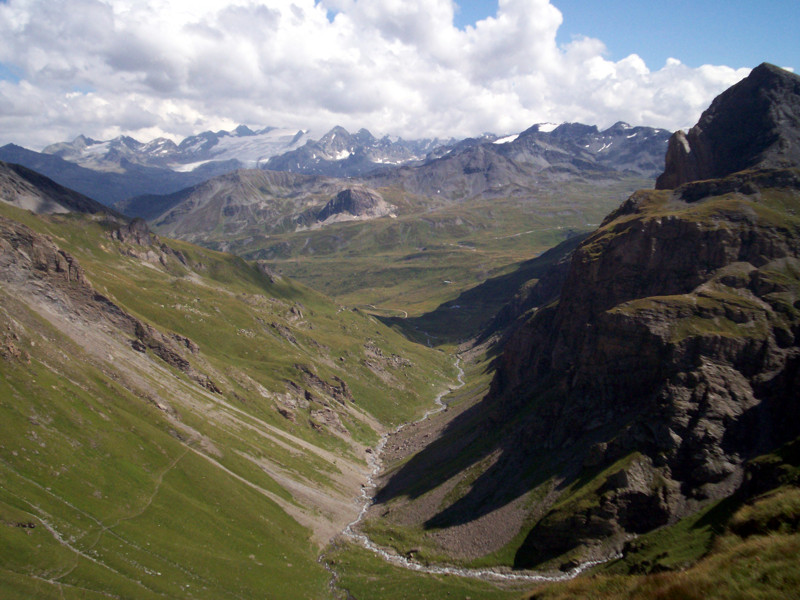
x: 327, y: 419
x: 339, y: 390
x: 381, y: 365
x: 24, y: 253
x: 754, y: 124
x: 287, y: 404
x: 286, y: 413
x: 268, y: 272
x: 10, y: 350
x: 135, y: 232
x: 284, y: 332
x: 394, y: 361
x: 139, y: 242
x: 355, y: 202
x: 31, y: 260
x: 164, y: 347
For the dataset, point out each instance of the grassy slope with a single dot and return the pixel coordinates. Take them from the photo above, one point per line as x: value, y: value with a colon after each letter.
x: 140, y: 483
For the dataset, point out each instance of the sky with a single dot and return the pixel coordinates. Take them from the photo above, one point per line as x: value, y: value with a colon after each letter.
x: 409, y: 68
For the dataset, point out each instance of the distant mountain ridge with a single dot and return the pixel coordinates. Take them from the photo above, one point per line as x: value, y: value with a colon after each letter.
x: 103, y: 186
x: 123, y: 168
x: 520, y: 163
x: 246, y: 147
x: 27, y: 189
x: 337, y: 153
x: 341, y: 154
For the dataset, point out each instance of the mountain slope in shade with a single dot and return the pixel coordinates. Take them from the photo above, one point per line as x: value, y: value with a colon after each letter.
x: 28, y: 189
x: 105, y: 187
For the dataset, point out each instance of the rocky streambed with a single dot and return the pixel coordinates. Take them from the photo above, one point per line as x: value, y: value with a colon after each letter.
x: 367, y: 499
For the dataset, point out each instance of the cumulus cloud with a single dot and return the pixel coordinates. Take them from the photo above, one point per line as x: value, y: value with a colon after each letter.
x: 399, y: 67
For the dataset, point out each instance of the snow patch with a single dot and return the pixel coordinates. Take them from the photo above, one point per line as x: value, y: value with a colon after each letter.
x: 188, y: 167
x: 546, y: 127
x: 507, y: 139
x: 342, y: 155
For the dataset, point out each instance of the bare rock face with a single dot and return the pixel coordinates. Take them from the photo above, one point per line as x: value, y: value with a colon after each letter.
x: 754, y: 124
x: 355, y: 203
x: 676, y: 339
x: 135, y: 232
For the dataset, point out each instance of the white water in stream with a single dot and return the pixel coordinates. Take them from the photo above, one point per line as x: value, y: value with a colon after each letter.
x: 367, y: 498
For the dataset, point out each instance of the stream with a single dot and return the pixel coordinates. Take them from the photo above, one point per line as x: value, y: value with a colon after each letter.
x: 367, y: 498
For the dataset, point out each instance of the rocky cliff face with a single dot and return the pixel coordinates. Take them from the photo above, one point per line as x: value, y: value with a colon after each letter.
x: 355, y: 203
x: 754, y: 124
x: 33, y: 264
x: 677, y: 340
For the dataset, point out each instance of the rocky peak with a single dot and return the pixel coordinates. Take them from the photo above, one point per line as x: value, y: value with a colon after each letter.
x: 573, y: 130
x: 243, y: 131
x: 754, y: 124
x: 356, y: 202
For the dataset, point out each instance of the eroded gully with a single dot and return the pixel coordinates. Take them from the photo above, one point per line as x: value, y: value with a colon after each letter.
x: 368, y: 497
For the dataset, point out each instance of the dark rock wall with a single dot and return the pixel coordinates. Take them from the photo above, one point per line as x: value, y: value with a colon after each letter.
x: 754, y: 124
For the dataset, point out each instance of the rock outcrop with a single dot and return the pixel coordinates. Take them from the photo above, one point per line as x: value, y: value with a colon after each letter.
x: 355, y: 203
x: 754, y: 124
x: 32, y: 262
x: 645, y: 370
x: 676, y: 339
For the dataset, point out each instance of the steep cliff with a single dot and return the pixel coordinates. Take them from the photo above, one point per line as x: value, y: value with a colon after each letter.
x: 754, y: 124
x: 677, y: 337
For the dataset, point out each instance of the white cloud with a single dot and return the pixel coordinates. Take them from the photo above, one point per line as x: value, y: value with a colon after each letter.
x: 176, y: 67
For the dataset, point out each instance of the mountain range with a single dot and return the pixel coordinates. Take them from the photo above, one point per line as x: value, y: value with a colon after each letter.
x: 120, y: 169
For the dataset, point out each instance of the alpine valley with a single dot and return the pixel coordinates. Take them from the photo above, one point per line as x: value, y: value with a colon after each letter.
x: 561, y: 363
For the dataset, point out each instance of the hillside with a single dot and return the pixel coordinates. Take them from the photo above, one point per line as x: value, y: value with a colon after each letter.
x: 409, y: 255
x: 177, y: 422
x: 458, y: 216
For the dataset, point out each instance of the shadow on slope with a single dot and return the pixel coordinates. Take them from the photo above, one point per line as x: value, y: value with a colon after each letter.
x: 492, y: 306
x: 499, y: 443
